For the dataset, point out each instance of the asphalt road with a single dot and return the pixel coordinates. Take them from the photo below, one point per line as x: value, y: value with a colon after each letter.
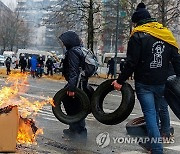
x: 53, y: 142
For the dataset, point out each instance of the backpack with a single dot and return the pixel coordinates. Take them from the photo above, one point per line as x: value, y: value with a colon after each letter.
x: 90, y: 62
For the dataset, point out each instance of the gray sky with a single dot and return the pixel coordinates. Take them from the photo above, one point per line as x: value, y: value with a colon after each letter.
x: 10, y: 3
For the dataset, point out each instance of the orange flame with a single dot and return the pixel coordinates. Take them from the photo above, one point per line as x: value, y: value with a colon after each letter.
x: 10, y: 95
x: 27, y: 131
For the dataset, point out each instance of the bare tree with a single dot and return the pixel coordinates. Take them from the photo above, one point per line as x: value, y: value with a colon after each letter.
x: 166, y: 11
x: 12, y: 30
x: 110, y: 16
x: 76, y: 15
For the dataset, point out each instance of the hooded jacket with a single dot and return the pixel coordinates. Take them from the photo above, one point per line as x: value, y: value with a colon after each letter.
x: 149, y: 58
x: 73, y: 58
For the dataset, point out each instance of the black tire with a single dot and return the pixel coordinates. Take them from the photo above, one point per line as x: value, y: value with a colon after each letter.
x: 172, y: 94
x: 120, y: 114
x: 137, y: 127
x: 69, y: 119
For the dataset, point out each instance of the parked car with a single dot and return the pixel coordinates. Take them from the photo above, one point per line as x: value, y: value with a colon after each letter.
x: 2, y: 60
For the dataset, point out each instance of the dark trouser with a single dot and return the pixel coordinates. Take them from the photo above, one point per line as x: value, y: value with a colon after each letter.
x: 72, y: 107
x: 33, y: 73
x: 23, y: 69
x: 8, y: 70
x: 49, y: 70
x: 111, y: 71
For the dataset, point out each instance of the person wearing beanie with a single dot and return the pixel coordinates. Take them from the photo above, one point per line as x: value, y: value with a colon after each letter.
x: 140, y: 14
x: 151, y: 49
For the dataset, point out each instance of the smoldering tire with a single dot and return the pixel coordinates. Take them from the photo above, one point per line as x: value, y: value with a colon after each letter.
x: 137, y: 127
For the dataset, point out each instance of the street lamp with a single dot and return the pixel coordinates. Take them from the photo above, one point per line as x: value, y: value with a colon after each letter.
x: 116, y: 44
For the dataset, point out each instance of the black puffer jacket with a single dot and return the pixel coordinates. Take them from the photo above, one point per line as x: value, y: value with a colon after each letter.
x: 73, y: 58
x: 149, y: 58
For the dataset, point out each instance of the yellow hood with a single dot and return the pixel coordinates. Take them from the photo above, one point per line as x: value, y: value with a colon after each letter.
x: 157, y: 30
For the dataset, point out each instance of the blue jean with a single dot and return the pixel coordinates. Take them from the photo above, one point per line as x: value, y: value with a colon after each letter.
x: 154, y: 107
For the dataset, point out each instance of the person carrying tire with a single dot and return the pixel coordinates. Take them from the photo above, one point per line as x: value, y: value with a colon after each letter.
x: 71, y: 71
x: 150, y: 49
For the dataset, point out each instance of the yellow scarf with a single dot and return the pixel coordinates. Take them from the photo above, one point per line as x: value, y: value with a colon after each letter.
x: 157, y: 30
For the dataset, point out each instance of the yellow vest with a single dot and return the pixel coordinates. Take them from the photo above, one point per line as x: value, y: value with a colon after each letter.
x: 157, y: 30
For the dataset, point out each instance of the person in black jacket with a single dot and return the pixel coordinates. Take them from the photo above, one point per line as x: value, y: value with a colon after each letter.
x: 122, y: 63
x: 40, y: 65
x: 110, y: 65
x: 71, y: 70
x: 151, y: 48
x: 49, y: 65
x: 8, y: 65
x: 23, y: 63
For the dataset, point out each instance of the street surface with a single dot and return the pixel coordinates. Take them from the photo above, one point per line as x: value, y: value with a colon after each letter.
x: 52, y: 142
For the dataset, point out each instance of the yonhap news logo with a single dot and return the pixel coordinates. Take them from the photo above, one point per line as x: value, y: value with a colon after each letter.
x: 103, y: 140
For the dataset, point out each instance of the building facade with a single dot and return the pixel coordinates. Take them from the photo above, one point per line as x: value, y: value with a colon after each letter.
x: 35, y: 13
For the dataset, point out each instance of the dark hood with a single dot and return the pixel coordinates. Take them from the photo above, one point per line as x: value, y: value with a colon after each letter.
x: 70, y: 39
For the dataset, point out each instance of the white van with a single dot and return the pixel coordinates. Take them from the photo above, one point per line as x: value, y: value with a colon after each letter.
x: 30, y: 53
x: 108, y: 56
x: 8, y: 54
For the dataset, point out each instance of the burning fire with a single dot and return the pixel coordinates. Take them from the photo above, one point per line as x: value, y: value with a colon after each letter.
x: 10, y: 96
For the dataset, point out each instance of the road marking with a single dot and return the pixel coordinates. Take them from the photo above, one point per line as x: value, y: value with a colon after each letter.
x: 132, y: 152
x: 119, y: 96
x: 48, y: 115
x: 53, y: 119
x: 175, y: 148
x: 133, y: 114
x: 175, y: 123
x: 34, y: 96
x: 40, y: 87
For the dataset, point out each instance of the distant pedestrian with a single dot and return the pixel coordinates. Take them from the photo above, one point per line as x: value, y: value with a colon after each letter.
x: 23, y: 63
x: 49, y: 65
x: 40, y: 65
x: 33, y: 65
x: 122, y: 63
x: 14, y: 61
x: 29, y: 63
x: 110, y: 65
x: 8, y: 65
